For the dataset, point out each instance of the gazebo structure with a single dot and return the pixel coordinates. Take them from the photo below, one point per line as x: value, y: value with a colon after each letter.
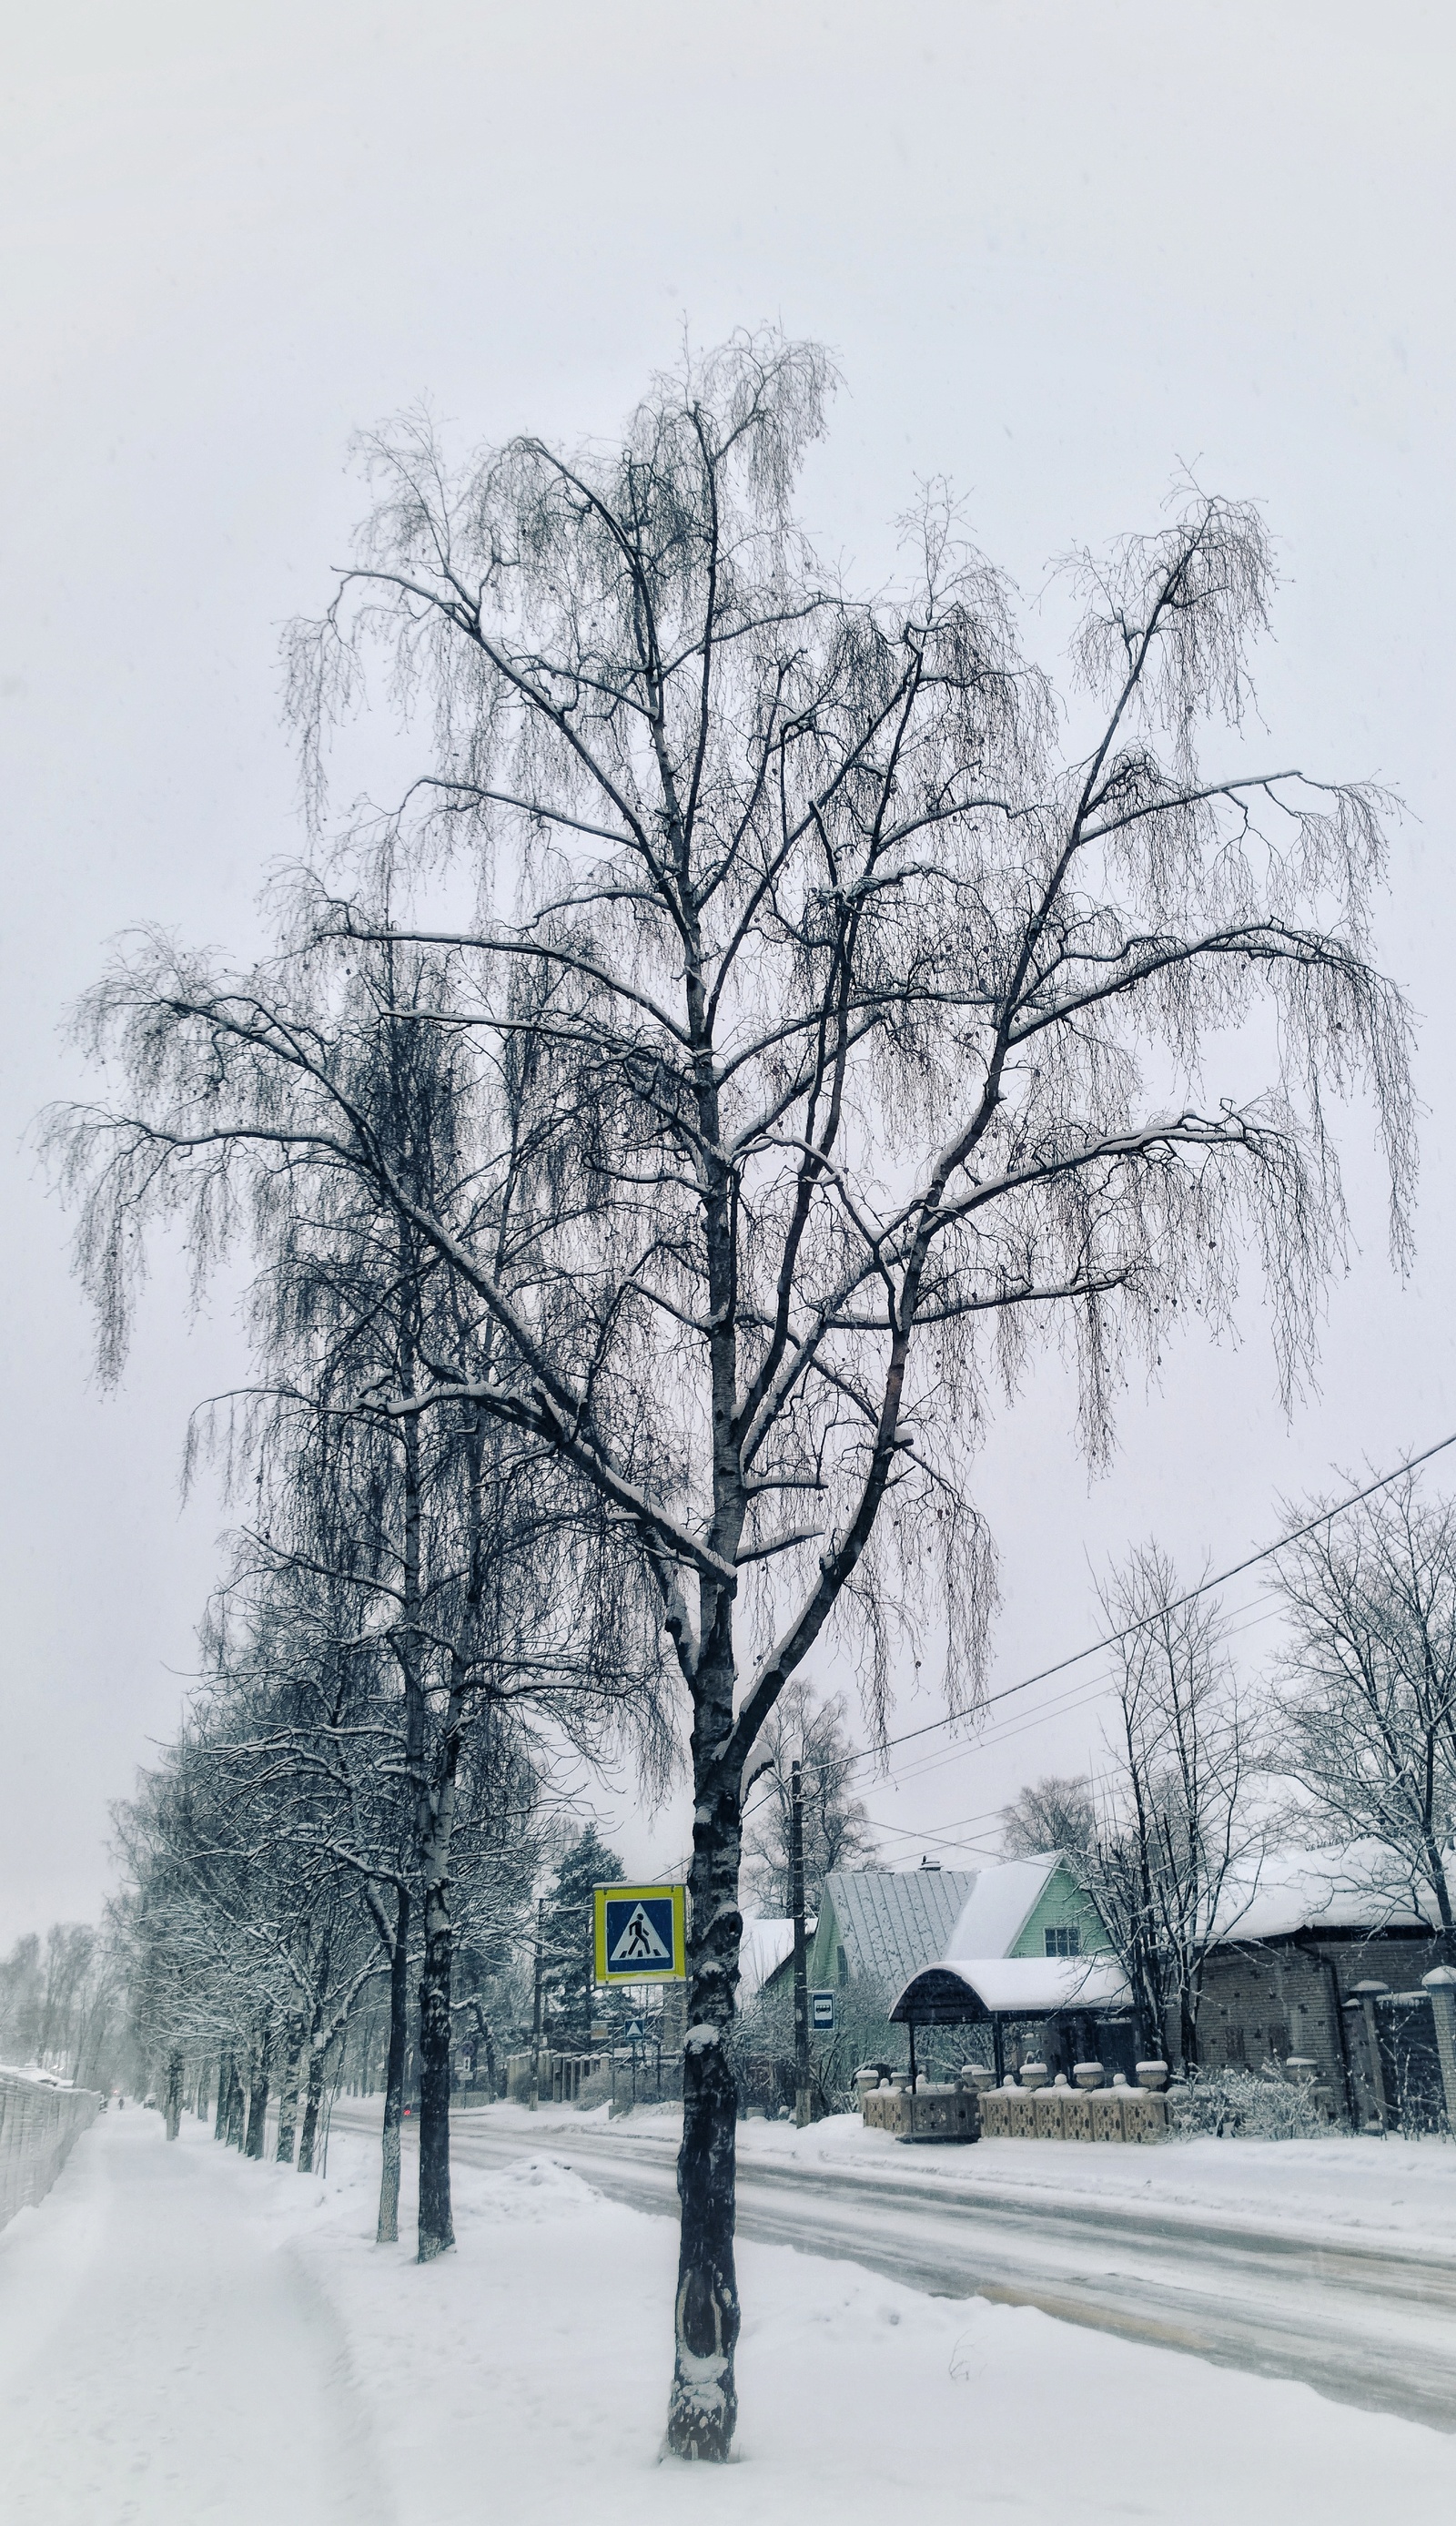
x: 1084, y: 2002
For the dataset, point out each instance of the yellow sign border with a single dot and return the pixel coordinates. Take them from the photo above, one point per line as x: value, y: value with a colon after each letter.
x: 676, y: 1971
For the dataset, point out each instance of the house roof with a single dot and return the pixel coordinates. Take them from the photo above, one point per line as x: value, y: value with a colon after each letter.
x: 892, y: 1921
x: 965, y: 1988
x: 999, y: 1905
x: 765, y: 1946
x: 1354, y: 1885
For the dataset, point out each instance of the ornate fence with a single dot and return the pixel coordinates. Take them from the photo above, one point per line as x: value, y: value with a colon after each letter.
x: 38, y: 2127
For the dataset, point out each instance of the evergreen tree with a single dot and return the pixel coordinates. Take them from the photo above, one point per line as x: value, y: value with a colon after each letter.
x: 569, y: 1971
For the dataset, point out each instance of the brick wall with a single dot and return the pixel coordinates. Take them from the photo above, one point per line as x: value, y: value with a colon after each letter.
x: 1263, y: 2003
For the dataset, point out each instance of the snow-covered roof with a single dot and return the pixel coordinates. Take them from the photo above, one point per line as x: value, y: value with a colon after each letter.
x: 1012, y: 1986
x: 999, y: 1905
x: 1351, y: 1886
x: 765, y: 1946
x: 891, y: 1921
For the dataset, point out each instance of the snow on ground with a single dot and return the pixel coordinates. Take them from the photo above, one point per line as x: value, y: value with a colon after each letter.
x: 1365, y: 2186
x: 184, y: 2337
x: 159, y: 2361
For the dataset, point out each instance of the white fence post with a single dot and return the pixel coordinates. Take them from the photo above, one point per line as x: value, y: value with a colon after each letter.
x: 1442, y: 1986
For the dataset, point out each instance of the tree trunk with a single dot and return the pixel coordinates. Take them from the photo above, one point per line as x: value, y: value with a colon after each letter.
x: 174, y: 2095
x: 307, y: 2140
x: 225, y: 2084
x: 258, y: 2098
x: 234, y: 2107
x: 199, y: 2103
x: 703, y: 2407
x: 436, y: 2227
x: 288, y: 2094
x: 387, y: 2231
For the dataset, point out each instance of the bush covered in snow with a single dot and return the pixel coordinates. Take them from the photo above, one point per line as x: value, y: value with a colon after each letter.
x: 1238, y: 2104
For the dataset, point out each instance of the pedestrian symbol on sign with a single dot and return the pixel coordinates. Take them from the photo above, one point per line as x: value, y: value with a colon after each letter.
x: 637, y: 1943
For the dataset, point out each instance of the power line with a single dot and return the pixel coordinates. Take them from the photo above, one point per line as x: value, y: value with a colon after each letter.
x: 1268, y: 1552
x: 1189, y: 1596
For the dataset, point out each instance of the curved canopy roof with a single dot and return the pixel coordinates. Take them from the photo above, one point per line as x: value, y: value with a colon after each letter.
x: 967, y: 1989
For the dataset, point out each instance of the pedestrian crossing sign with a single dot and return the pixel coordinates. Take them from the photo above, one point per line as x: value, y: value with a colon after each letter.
x: 641, y: 1933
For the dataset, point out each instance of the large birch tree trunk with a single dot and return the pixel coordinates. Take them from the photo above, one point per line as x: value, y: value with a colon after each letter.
x: 174, y: 2095
x: 288, y: 2094
x: 387, y: 2231
x: 437, y: 2226
x: 258, y: 2098
x: 234, y: 2106
x: 703, y: 2405
x: 313, y: 2100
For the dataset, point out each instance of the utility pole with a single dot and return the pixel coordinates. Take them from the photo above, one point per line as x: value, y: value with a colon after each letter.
x: 801, y: 1958
x: 535, y: 2015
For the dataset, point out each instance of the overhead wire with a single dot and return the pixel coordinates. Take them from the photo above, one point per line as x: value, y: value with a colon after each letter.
x: 1175, y: 1604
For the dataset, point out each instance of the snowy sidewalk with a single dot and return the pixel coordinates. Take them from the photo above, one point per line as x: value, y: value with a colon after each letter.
x: 160, y: 2359
x: 187, y: 2340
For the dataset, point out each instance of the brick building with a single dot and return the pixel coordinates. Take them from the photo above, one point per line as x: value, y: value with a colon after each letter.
x: 1300, y: 1938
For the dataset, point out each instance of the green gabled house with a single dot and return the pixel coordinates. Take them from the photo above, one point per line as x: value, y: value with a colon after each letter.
x: 884, y: 1925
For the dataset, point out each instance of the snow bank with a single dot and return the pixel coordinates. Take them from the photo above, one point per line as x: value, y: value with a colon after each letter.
x: 1362, y: 2187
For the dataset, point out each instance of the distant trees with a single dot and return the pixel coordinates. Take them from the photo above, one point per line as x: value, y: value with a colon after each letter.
x: 829, y: 1039
x: 837, y: 1832
x: 433, y: 1605
x: 1174, y: 1829
x: 1367, y: 1684
x: 1054, y: 1813
x: 62, y: 2002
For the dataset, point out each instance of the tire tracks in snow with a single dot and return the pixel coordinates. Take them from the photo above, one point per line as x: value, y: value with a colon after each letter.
x: 1362, y: 2324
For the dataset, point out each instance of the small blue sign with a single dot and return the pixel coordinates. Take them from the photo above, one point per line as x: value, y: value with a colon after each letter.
x: 822, y: 2011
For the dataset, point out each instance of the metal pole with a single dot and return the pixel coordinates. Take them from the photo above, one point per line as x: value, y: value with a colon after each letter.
x: 801, y: 1958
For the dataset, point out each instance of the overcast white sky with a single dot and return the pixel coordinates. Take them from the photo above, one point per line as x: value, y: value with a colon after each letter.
x: 1056, y: 251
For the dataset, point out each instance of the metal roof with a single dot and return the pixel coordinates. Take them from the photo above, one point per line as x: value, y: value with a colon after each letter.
x: 765, y: 1945
x: 1002, y: 1902
x: 892, y: 1921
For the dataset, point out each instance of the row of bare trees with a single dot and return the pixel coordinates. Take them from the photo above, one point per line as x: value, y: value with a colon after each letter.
x: 1350, y: 1740
x: 747, y: 1030
x: 63, y: 2003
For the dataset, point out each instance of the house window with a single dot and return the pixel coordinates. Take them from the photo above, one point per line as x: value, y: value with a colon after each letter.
x: 1064, y: 1942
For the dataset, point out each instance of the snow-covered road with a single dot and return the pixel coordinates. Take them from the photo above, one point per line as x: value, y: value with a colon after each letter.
x: 160, y: 2358
x: 1367, y: 2323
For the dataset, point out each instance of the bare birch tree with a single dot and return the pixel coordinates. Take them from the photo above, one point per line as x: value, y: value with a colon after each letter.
x: 1368, y: 1685
x: 1175, y: 1832
x: 865, y: 1030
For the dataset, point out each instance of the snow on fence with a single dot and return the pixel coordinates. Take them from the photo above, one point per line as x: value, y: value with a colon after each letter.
x: 40, y: 2124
